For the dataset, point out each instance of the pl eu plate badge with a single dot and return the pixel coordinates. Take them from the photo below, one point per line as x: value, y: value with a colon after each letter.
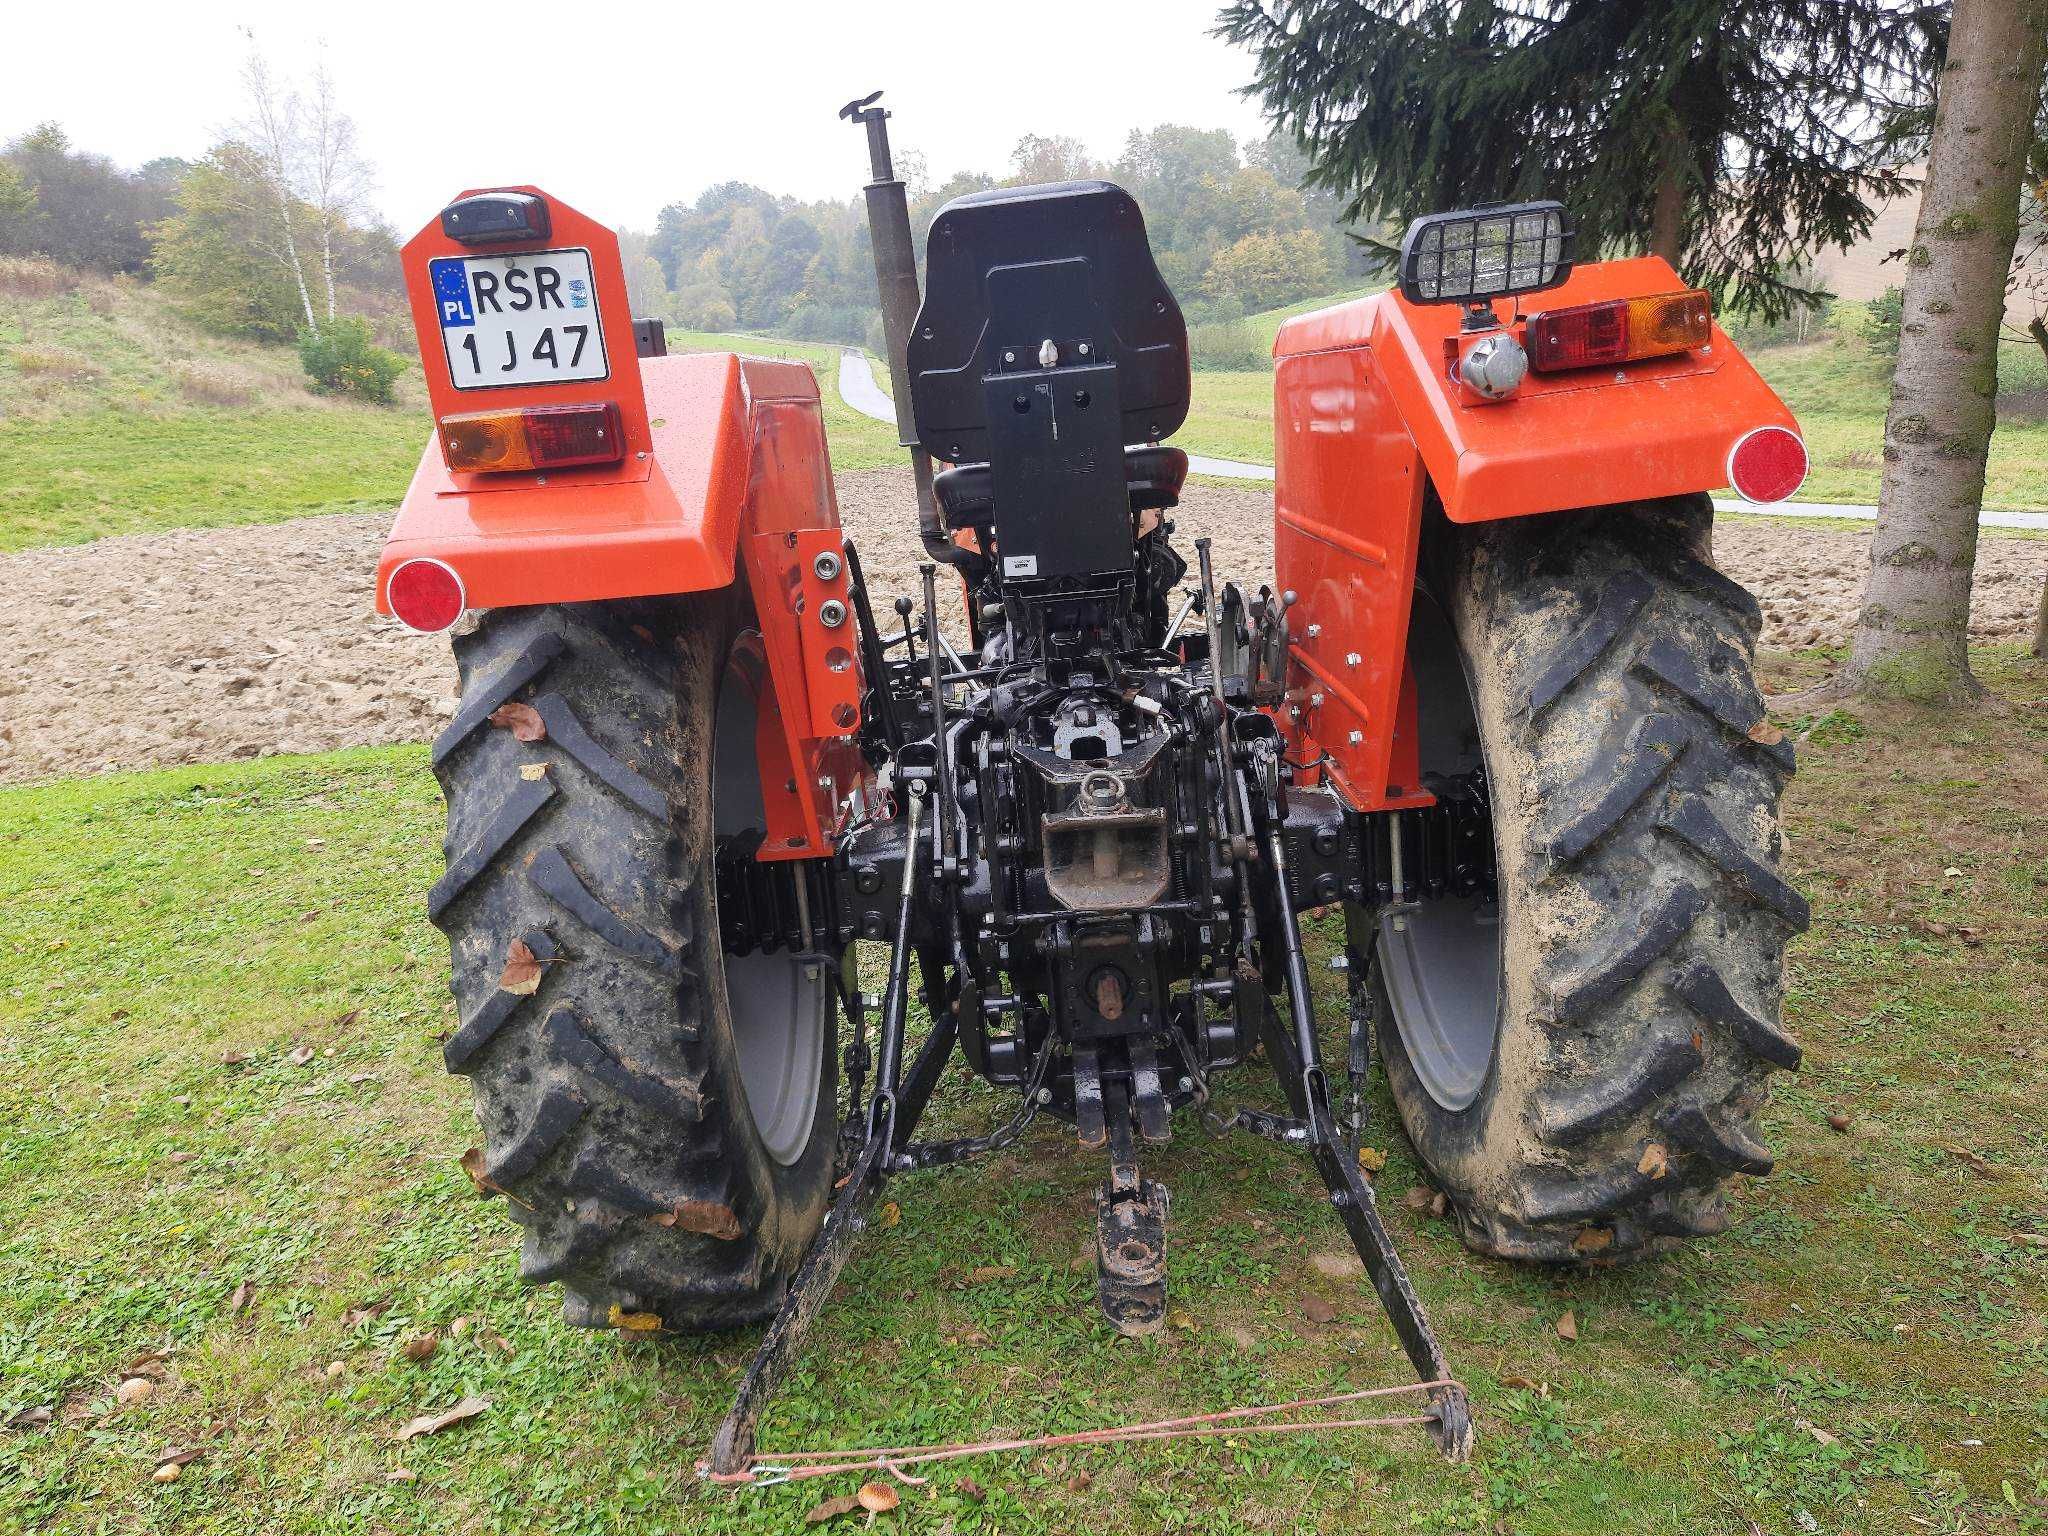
x: 527, y: 318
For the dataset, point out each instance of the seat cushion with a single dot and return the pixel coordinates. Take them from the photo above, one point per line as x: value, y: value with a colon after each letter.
x: 1154, y: 473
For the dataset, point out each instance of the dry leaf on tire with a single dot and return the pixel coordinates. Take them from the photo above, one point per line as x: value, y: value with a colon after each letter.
x: 533, y: 771
x: 833, y: 1508
x: 1655, y: 1161
x: 1593, y: 1240
x: 706, y: 1216
x: 877, y: 1498
x: 633, y: 1322
x: 522, y: 720
x: 434, y: 1423
x: 521, y: 976
x: 420, y: 1348
x: 1568, y: 1327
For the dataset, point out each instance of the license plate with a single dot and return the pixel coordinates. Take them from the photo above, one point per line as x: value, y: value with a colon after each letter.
x: 529, y: 318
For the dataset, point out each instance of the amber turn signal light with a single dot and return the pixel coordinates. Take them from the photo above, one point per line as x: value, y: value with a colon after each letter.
x: 1620, y: 330
x: 536, y: 437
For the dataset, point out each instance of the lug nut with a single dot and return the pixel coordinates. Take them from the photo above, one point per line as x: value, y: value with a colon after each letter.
x: 832, y: 613
x: 826, y: 565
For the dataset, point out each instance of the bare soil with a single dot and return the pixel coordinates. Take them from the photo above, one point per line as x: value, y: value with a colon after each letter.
x: 200, y: 645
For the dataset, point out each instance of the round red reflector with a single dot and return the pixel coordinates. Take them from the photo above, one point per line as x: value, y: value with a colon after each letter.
x: 1767, y: 464
x: 426, y: 595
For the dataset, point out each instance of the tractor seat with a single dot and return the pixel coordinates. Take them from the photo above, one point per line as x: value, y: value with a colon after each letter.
x: 1153, y: 474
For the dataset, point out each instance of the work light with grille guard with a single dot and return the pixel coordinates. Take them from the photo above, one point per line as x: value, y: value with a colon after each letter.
x: 1475, y: 255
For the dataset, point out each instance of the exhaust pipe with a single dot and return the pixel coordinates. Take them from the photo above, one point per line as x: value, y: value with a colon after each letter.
x: 896, y: 287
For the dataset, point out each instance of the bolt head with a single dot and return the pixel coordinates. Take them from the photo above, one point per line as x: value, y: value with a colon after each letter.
x: 826, y: 565
x: 1352, y: 658
x: 1356, y: 738
x: 832, y: 613
x: 1314, y: 630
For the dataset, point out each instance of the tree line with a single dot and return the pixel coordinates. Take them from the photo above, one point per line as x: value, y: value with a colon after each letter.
x: 1231, y: 225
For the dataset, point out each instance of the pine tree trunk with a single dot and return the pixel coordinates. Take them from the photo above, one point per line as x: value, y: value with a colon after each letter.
x: 1667, y: 212
x: 1913, y: 632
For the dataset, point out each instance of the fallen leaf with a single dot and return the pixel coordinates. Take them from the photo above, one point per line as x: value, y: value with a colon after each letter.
x: 175, y: 1158
x: 1951, y: 873
x: 233, y: 1058
x: 1593, y: 1239
x: 434, y: 1423
x: 300, y: 1055
x: 473, y: 1164
x: 1420, y: 1197
x: 1568, y: 1327
x: 2031, y: 1239
x: 833, y: 1508
x: 169, y: 1472
x: 989, y: 1272
x: 30, y: 1418
x: 401, y: 1475
x: 1655, y: 1161
x: 1439, y: 1204
x: 180, y: 1458
x: 1838, y: 1122
x: 1820, y: 1434
x: 420, y: 1348
x: 1371, y: 1159
x: 889, y: 1215
x: 150, y: 1360
x: 1317, y: 1310
x: 335, y: 1369
x: 969, y: 1488
x: 342, y: 1021
x: 1765, y: 734
x: 1081, y: 1482
x: 239, y: 1301
x: 1180, y: 1318
x: 877, y: 1498
x: 363, y: 1313
x: 135, y: 1389
x: 532, y: 771
x: 1524, y: 1384
x: 633, y: 1322
x: 709, y: 1217
x: 522, y: 720
x: 1976, y: 1162
x: 521, y: 976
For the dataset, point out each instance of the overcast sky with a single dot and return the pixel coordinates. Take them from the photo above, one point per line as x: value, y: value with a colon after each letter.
x: 621, y: 107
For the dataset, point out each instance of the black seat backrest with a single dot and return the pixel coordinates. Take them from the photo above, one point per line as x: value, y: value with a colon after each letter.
x: 1008, y: 269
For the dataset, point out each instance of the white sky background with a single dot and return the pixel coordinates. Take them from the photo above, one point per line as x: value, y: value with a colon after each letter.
x: 620, y: 108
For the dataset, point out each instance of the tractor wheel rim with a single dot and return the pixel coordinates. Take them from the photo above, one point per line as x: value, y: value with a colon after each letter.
x: 775, y: 1000
x: 1441, y: 958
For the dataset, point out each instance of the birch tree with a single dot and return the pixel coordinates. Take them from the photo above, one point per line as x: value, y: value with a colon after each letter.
x: 1912, y: 634
x: 336, y: 177
x: 271, y: 129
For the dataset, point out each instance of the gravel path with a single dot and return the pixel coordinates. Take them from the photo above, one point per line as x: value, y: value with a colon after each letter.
x: 200, y: 645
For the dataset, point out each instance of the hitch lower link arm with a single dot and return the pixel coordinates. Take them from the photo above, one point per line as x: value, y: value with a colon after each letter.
x: 732, y: 1448
x: 1297, y: 1058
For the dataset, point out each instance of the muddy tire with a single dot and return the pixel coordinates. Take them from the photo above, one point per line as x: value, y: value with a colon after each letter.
x: 1580, y: 1065
x: 614, y: 1097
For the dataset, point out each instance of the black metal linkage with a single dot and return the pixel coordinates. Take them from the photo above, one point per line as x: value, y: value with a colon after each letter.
x: 1297, y: 1059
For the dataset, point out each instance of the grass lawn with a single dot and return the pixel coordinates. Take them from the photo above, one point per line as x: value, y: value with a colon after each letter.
x: 225, y: 1138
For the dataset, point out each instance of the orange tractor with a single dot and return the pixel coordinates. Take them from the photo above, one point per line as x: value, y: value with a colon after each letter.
x: 1500, y: 711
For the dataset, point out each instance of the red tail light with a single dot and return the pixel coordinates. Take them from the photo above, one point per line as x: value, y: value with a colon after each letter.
x: 1767, y: 464
x: 426, y: 595
x: 534, y: 437
x: 1620, y: 331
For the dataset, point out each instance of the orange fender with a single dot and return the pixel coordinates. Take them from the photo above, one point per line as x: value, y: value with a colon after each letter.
x: 1368, y: 417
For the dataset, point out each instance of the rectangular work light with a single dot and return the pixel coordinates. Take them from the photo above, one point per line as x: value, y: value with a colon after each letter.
x: 1477, y: 254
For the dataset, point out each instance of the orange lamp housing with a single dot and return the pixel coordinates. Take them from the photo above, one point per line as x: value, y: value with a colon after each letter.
x: 533, y: 437
x: 1620, y: 331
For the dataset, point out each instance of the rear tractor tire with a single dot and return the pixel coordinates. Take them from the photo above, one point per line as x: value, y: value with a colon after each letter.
x: 658, y: 1115
x: 1581, y: 1062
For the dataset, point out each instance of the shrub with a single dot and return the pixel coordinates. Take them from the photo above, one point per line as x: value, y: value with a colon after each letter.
x: 1232, y: 346
x: 207, y: 384
x: 56, y: 363
x: 35, y: 277
x: 1887, y: 313
x: 344, y: 359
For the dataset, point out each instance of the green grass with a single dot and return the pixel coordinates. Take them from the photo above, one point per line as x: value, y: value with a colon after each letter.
x: 173, y: 936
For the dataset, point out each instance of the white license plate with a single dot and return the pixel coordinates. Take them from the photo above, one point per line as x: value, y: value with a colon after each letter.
x: 529, y: 318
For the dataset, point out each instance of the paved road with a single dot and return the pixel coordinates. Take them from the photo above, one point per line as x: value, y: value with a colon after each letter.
x: 858, y: 387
